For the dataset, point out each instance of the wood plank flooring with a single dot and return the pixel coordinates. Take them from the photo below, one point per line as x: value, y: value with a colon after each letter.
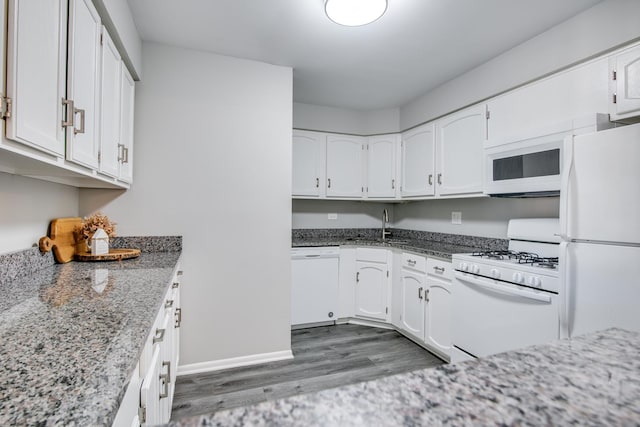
x: 324, y: 357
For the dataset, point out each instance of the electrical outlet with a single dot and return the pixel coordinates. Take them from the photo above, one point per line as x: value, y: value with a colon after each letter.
x: 332, y: 216
x: 456, y: 217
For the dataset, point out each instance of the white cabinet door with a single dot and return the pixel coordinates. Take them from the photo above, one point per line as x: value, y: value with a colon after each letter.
x: 150, y: 391
x: 83, y: 82
x: 345, y: 166
x: 381, y: 166
x: 413, y: 311
x: 110, y: 108
x: 459, y: 144
x: 308, y: 163
x: 127, y: 101
x: 418, y: 149
x: 626, y: 88
x: 438, y: 316
x: 372, y: 287
x: 36, y: 72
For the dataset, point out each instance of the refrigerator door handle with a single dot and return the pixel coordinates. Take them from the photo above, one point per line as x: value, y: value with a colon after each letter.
x: 565, y: 295
x: 565, y: 184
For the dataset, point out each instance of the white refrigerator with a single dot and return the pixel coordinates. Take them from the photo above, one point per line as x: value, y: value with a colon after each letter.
x: 600, y: 230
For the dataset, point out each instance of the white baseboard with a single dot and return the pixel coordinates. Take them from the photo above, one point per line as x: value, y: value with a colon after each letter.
x: 234, y: 362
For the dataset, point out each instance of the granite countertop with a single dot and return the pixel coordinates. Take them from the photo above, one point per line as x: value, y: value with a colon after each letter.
x: 426, y: 247
x: 439, y: 245
x: 593, y: 380
x: 71, y: 336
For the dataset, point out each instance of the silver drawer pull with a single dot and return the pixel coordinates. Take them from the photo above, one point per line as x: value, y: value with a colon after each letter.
x: 159, y: 335
x: 179, y: 273
x: 439, y: 269
x: 178, y: 315
x: 168, y: 303
x: 411, y: 262
x: 165, y: 385
x: 175, y: 285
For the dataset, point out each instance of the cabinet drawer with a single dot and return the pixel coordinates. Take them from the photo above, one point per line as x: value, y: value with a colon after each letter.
x: 414, y: 262
x: 372, y: 255
x: 439, y: 268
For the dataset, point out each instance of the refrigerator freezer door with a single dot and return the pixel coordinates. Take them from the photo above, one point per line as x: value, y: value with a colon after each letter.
x: 603, y: 285
x: 601, y: 195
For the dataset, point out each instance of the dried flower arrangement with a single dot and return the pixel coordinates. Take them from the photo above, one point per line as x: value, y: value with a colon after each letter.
x: 91, y: 224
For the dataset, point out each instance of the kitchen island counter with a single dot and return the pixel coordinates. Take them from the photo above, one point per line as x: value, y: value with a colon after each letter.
x: 72, y: 334
x: 588, y: 380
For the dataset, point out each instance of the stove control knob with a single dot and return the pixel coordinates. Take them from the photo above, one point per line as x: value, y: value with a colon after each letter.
x: 464, y: 266
x: 495, y: 273
x: 475, y: 269
x: 518, y: 278
x: 534, y: 281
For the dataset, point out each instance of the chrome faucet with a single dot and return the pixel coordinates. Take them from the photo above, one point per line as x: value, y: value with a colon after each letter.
x: 385, y: 221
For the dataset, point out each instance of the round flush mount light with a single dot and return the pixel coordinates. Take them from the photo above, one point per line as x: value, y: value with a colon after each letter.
x: 354, y: 13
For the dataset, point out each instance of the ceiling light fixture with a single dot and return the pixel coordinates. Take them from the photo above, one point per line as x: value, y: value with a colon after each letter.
x: 354, y: 13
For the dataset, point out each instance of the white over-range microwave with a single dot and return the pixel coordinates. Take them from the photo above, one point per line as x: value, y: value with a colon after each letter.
x: 530, y: 165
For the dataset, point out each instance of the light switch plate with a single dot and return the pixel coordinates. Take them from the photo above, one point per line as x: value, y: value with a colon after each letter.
x: 456, y: 217
x: 332, y: 216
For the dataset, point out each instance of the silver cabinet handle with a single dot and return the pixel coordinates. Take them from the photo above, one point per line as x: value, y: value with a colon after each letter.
x: 393, y: 184
x: 420, y: 293
x: 179, y: 273
x: 175, y: 285
x: 165, y: 384
x: 120, y: 152
x: 426, y: 295
x: 317, y: 182
x: 178, y: 315
x: 68, y: 112
x: 439, y: 179
x: 168, y: 365
x: 329, y: 182
x: 357, y: 277
x: 81, y: 111
x: 430, y: 179
x: 159, y: 336
x: 438, y: 269
x: 168, y: 303
x: 126, y: 155
x: 411, y: 262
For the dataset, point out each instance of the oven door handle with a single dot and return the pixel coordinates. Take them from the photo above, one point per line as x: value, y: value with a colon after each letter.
x: 502, y: 289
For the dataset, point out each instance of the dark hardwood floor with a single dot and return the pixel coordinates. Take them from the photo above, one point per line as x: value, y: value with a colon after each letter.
x: 324, y: 357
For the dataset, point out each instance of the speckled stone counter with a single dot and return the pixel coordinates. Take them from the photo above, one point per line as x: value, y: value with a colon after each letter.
x: 440, y: 245
x: 592, y: 380
x: 71, y: 335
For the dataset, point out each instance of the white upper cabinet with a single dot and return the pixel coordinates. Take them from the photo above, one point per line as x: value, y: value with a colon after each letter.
x: 37, y: 37
x: 83, y: 83
x: 382, y: 166
x: 625, y: 87
x: 345, y: 166
x: 459, y: 145
x: 418, y: 150
x: 110, y: 108
x: 308, y: 163
x: 127, y: 102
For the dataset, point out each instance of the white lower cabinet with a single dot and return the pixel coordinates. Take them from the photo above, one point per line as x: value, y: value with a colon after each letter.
x: 149, y: 396
x: 373, y: 280
x: 437, y: 319
x: 413, y: 291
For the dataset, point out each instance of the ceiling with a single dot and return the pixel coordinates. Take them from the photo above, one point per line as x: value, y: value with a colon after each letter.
x: 416, y: 46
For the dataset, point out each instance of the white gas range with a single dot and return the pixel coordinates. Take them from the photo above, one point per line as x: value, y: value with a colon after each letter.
x: 504, y: 300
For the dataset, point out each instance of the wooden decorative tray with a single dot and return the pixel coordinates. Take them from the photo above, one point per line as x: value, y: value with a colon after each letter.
x: 113, y: 255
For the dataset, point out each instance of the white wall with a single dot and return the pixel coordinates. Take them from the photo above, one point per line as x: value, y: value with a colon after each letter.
x: 313, y: 214
x: 486, y: 217
x: 343, y: 120
x: 213, y: 164
x: 27, y: 206
x: 606, y: 25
